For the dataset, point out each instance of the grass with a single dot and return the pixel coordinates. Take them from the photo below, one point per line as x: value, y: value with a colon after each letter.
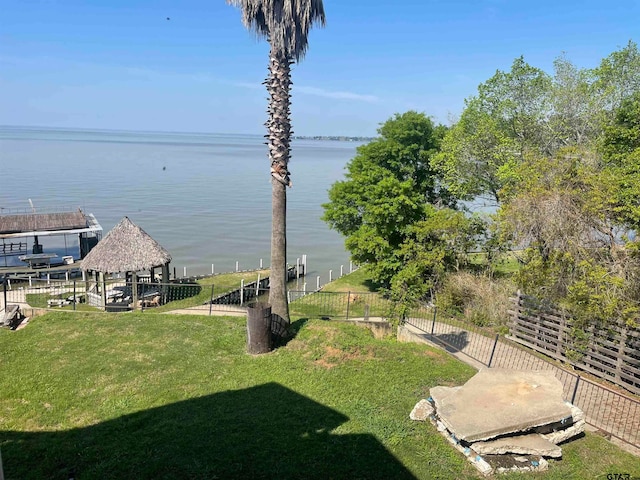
x: 151, y: 396
x: 216, y: 285
x: 357, y: 281
x: 359, y: 297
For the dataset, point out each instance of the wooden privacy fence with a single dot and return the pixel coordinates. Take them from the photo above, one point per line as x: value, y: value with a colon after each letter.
x: 611, y: 352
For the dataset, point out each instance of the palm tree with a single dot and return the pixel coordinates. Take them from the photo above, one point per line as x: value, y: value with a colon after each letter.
x: 285, y: 24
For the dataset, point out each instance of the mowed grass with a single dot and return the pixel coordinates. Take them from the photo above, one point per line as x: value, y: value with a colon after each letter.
x: 354, y: 295
x: 149, y: 396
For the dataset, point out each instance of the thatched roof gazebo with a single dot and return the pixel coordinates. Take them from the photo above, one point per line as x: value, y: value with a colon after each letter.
x: 127, y: 248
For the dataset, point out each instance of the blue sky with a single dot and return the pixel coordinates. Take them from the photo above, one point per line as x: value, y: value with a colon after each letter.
x: 117, y: 64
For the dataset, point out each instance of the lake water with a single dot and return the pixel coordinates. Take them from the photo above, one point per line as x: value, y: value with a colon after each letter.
x: 205, y: 197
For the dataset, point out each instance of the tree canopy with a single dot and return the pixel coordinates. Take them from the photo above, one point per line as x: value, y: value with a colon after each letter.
x: 558, y: 154
x: 391, y: 205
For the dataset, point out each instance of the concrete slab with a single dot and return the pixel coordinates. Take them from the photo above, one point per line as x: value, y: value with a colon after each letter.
x: 532, y: 444
x: 566, y: 434
x: 501, y: 401
x: 438, y: 394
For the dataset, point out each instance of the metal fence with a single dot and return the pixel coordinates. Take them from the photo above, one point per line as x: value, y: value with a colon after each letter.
x: 614, y: 413
x: 339, y: 305
x: 606, y: 409
x: 113, y: 295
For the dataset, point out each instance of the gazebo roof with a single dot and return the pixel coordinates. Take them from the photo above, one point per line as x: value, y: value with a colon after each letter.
x: 126, y: 248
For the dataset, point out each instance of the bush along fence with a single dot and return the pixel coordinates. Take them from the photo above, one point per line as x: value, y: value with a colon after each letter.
x: 611, y: 352
x: 615, y: 414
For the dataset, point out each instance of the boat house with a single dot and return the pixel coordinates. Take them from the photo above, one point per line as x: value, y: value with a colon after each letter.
x: 21, y: 235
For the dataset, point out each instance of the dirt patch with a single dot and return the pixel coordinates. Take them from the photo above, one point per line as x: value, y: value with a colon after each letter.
x: 332, y: 357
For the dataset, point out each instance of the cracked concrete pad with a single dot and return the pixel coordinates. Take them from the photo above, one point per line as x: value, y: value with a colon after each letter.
x: 438, y: 394
x: 564, y: 435
x: 501, y: 401
x: 532, y: 444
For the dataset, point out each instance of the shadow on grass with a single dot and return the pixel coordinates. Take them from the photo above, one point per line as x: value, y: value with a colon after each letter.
x: 263, y: 432
x: 372, y: 285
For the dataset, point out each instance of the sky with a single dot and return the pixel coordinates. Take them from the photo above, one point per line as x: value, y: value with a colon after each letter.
x: 191, y: 66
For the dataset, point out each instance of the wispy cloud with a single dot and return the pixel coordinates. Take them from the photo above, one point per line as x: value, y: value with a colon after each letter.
x: 318, y: 92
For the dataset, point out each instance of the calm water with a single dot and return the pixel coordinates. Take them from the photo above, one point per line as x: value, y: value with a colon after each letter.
x: 205, y: 197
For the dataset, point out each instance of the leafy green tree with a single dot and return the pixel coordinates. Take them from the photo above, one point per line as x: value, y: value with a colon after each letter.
x: 398, y: 220
x: 618, y: 76
x: 621, y: 154
x: 564, y: 216
x: 526, y: 112
x: 285, y: 24
x: 496, y: 128
x: 577, y: 106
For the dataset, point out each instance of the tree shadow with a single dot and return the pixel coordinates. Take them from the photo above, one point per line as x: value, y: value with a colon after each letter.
x: 263, y: 432
x: 372, y: 285
x: 451, y: 342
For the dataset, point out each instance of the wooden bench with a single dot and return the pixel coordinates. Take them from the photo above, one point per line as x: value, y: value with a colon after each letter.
x: 57, y: 302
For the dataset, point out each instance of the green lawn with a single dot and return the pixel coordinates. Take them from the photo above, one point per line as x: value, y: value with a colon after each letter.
x: 149, y: 396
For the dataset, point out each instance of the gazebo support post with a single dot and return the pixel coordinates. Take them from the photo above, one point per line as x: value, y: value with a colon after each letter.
x: 165, y: 282
x: 103, y: 290
x: 134, y: 290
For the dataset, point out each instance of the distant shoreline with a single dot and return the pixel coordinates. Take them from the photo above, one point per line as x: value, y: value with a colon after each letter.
x: 38, y: 128
x: 339, y: 138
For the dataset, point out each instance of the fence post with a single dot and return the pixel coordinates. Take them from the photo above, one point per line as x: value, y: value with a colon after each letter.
x: 620, y: 362
x: 493, y: 350
x: 297, y: 268
x: 211, y: 300
x: 433, y: 324
x: 258, y: 286
x: 304, y: 288
x: 241, y: 291
x: 30, y: 284
x: 575, y: 390
x: 142, y: 295
x: 74, y: 294
x: 4, y: 292
x: 348, y: 301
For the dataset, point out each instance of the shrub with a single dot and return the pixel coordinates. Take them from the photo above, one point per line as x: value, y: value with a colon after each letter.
x: 476, y: 298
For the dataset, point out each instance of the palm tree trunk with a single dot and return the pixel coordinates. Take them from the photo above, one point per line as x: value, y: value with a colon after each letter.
x: 279, y: 136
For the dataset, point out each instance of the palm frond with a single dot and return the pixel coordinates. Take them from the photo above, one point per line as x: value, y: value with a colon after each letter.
x: 284, y: 23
